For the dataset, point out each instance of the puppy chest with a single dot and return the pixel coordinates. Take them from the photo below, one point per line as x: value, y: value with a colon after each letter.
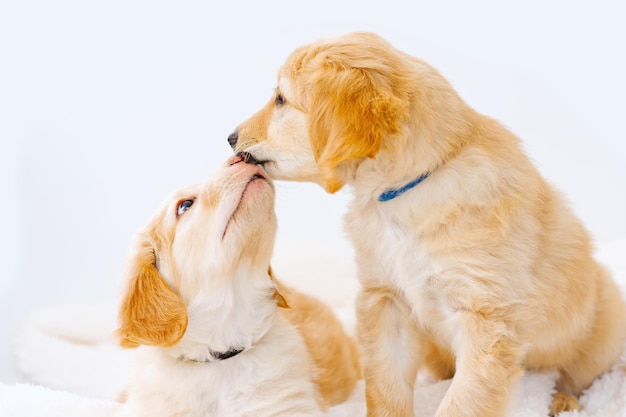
x: 197, y: 390
x: 391, y: 258
x: 274, y: 374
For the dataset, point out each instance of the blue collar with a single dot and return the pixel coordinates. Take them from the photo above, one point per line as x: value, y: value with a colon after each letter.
x: 392, y: 193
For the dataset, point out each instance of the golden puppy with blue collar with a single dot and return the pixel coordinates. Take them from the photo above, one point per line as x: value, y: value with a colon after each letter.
x: 471, y: 264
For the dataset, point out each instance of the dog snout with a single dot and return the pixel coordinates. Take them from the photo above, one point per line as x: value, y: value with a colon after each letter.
x: 233, y: 138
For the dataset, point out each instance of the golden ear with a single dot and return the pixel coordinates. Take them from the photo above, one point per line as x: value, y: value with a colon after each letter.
x: 279, y: 292
x: 351, y: 112
x: 151, y: 313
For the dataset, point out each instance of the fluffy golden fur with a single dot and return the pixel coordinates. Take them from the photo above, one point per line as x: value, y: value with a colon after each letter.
x: 199, y: 284
x: 481, y: 271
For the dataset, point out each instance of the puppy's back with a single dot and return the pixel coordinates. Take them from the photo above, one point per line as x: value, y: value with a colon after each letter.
x: 333, y: 351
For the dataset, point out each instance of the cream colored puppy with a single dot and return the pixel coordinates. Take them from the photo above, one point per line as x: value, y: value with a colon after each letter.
x: 471, y: 264
x: 217, y: 335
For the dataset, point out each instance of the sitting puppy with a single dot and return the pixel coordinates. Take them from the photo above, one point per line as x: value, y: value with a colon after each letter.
x: 218, y: 335
x: 470, y: 263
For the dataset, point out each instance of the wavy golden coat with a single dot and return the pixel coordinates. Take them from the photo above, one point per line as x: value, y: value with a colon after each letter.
x: 481, y: 271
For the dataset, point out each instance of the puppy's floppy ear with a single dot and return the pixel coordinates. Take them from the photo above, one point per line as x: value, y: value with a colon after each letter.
x: 354, y: 105
x: 151, y: 313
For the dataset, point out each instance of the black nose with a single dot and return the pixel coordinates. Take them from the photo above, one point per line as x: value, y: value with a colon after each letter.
x: 232, y: 139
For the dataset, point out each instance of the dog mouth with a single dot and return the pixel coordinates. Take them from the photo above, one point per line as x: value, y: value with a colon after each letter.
x: 251, y: 159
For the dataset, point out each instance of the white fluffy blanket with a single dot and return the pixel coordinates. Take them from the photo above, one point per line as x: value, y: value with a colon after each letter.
x: 76, y: 369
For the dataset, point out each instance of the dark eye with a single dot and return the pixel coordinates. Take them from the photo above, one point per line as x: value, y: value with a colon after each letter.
x: 279, y: 100
x: 183, y: 206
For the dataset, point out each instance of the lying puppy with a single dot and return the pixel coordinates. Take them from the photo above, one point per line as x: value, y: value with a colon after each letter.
x: 217, y: 334
x: 471, y: 264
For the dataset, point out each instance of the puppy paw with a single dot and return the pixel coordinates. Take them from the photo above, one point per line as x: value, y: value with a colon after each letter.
x: 564, y: 402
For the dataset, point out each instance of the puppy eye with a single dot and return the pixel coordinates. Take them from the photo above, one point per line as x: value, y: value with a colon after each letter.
x: 183, y: 206
x: 279, y: 100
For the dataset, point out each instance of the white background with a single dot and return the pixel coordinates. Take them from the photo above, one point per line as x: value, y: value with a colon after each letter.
x: 107, y: 106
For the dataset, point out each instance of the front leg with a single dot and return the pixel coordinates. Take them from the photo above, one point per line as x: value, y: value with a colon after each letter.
x: 488, y: 367
x: 391, y: 352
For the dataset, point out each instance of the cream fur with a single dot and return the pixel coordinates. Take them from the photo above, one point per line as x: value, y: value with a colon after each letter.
x: 199, y: 282
x: 481, y: 271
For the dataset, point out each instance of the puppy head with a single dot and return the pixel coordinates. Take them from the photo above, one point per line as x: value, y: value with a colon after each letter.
x: 201, y: 236
x: 338, y: 101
